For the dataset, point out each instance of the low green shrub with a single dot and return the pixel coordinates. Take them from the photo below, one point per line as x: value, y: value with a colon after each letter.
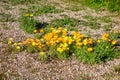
x: 27, y: 23
x: 58, y: 43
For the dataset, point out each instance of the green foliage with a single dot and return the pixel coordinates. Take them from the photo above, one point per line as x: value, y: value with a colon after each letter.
x: 107, y: 27
x: 102, y: 52
x: 38, y: 36
x: 74, y: 7
x: 103, y: 49
x: 31, y: 49
x: 42, y: 9
x: 105, y: 19
x: 6, y: 18
x: 4, y: 41
x: 6, y: 7
x: 6, y: 27
x: 27, y: 23
x: 89, y: 18
x: 91, y: 24
x: 84, y: 56
x: 63, y: 55
x: 112, y: 5
x: 43, y: 56
x: 67, y: 22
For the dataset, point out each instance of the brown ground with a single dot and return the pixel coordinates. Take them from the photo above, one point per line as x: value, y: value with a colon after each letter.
x: 24, y: 66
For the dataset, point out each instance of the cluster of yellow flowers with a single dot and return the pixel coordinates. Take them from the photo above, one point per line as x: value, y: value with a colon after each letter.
x: 37, y: 31
x: 17, y: 45
x: 61, y: 40
x: 33, y: 42
x: 106, y: 37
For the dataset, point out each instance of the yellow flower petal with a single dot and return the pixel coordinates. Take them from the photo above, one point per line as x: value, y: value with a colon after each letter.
x: 42, y: 53
x: 90, y: 49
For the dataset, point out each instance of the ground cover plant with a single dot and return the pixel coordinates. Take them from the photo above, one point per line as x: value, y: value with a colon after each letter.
x: 69, y: 23
x: 6, y: 18
x: 27, y: 23
x: 61, y: 44
x: 112, y: 5
x: 41, y: 9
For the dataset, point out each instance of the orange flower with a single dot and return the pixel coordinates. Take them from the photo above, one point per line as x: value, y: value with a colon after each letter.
x: 105, y: 36
x: 90, y: 41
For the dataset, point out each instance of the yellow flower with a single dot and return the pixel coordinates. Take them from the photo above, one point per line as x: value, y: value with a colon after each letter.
x: 15, y: 44
x: 19, y: 43
x: 98, y: 41
x: 33, y: 43
x: 70, y: 41
x: 9, y: 42
x: 31, y: 15
x: 104, y: 38
x: 90, y: 49
x: 18, y: 47
x: 116, y: 31
x: 52, y: 28
x: 89, y: 41
x: 105, y: 35
x: 74, y: 37
x: 10, y: 39
x: 60, y: 28
x: 114, y: 42
x: 79, y: 44
x: 60, y: 50
x: 42, y: 40
x: 64, y: 30
x: 107, y: 47
x: 41, y: 30
x: 85, y: 42
x: 39, y: 46
x: 42, y: 53
x: 35, y: 31
x: 27, y: 14
x: 73, y: 33
x: 37, y: 40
